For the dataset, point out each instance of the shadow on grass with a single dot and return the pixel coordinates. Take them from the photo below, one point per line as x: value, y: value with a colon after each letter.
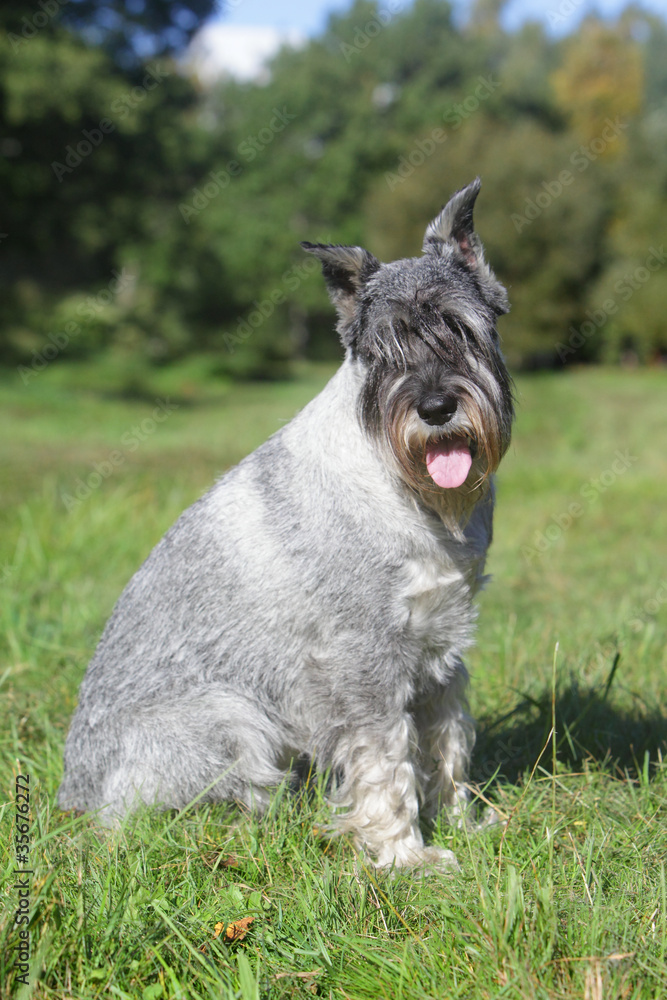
x: 589, y: 728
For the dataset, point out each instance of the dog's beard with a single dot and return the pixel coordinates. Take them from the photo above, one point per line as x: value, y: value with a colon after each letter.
x: 411, y: 445
x: 481, y: 425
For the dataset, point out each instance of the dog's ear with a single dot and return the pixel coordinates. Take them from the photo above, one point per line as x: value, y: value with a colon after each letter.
x: 454, y: 225
x: 346, y: 270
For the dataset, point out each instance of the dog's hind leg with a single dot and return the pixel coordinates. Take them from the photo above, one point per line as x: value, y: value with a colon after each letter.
x: 219, y: 746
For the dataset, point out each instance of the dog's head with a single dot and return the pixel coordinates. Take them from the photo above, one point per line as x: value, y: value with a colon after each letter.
x: 436, y: 389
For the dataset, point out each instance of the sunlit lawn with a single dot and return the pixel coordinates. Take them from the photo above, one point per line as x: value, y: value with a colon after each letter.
x: 567, y: 900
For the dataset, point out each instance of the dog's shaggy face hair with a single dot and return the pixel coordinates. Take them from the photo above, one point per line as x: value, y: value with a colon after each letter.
x: 436, y: 389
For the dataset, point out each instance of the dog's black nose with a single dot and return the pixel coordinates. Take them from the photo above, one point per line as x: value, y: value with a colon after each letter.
x: 437, y: 410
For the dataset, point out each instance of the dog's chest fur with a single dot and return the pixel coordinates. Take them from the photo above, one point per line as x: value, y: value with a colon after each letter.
x: 421, y: 579
x: 439, y: 583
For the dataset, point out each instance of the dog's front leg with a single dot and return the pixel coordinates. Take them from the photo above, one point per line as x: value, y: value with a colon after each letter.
x: 379, y: 790
x: 446, y: 736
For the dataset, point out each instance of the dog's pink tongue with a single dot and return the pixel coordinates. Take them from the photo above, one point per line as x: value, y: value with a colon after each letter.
x: 448, y: 462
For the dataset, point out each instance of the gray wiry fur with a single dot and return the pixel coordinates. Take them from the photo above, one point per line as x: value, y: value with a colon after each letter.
x: 318, y: 600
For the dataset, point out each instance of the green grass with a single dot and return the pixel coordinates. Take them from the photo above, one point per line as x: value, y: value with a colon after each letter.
x: 567, y: 900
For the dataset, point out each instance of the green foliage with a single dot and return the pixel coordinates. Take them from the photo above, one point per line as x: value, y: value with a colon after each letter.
x: 567, y: 900
x: 202, y: 195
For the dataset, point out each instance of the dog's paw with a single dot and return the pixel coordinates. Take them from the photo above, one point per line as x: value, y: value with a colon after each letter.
x: 420, y: 861
x: 437, y: 861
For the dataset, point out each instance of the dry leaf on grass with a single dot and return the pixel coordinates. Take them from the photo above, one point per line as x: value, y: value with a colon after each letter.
x: 235, y: 931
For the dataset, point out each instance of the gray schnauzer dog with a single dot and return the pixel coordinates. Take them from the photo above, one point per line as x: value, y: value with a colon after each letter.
x: 317, y: 601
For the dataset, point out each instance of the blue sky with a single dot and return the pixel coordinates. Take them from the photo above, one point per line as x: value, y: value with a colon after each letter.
x: 309, y: 16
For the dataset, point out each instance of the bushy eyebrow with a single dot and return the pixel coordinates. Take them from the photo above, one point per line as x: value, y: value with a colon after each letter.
x: 446, y: 337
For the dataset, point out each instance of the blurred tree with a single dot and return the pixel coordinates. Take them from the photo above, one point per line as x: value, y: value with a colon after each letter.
x: 600, y: 78
x: 90, y: 175
x: 546, y: 278
x: 157, y: 219
x: 651, y: 32
x: 628, y: 303
x: 133, y: 31
x: 485, y: 15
